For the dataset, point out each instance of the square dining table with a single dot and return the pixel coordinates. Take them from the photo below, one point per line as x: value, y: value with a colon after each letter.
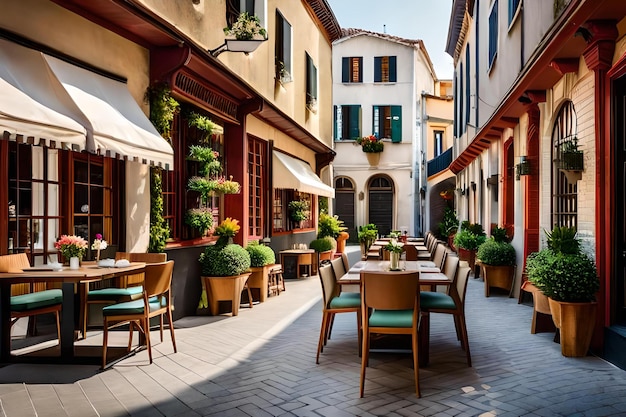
x: 69, y: 278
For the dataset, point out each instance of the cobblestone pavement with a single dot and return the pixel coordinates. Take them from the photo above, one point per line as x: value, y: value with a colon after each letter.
x: 262, y: 363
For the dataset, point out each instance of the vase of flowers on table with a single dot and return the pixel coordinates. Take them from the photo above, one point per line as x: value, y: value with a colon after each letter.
x: 98, y: 244
x: 395, y: 248
x: 72, y: 248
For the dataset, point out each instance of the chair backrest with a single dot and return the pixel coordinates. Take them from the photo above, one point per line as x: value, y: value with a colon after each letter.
x: 338, y: 267
x: 148, y: 258
x: 397, y: 290
x: 411, y: 252
x: 450, y: 266
x: 440, y: 255
x: 14, y: 263
x: 462, y: 278
x: 346, y: 261
x: 158, y: 278
x: 329, y: 283
x: 431, y: 243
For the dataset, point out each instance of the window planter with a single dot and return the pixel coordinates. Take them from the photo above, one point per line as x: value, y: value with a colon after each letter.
x: 373, y: 158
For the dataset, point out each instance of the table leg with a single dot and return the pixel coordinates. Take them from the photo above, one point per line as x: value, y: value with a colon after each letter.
x: 5, y: 322
x: 67, y: 321
x: 424, y: 339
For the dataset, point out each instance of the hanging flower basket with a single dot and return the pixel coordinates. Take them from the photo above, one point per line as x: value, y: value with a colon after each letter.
x: 373, y: 158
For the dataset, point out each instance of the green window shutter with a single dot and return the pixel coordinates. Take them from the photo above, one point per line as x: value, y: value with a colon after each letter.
x: 345, y: 70
x: 355, y: 122
x: 378, y: 63
x: 396, y: 124
x: 392, y: 69
x: 376, y: 121
x: 336, y: 117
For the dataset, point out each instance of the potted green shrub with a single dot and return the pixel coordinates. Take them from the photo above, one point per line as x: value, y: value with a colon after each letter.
x: 497, y: 261
x: 568, y: 277
x: 262, y: 260
x: 468, y: 240
x: 298, y: 211
x: 225, y: 269
x: 367, y: 235
x: 324, y: 248
x: 448, y: 226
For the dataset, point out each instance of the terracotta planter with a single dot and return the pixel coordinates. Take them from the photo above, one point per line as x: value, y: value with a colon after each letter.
x: 451, y: 242
x: 499, y: 276
x: 258, y: 282
x: 341, y: 242
x: 373, y: 158
x: 575, y: 322
x: 467, y: 255
x: 225, y: 289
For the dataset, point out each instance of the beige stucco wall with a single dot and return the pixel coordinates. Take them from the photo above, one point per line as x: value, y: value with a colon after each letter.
x: 66, y: 32
x: 204, y: 23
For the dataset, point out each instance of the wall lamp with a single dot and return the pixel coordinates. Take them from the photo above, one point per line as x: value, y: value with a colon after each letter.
x: 234, y: 45
x: 523, y: 168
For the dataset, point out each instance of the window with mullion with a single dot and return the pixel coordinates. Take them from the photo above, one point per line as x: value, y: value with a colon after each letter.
x: 493, y: 33
x: 438, y: 148
x: 283, y: 47
x: 387, y: 122
x: 311, y: 82
x: 352, y: 69
x: 385, y: 69
x: 253, y: 7
x: 347, y: 122
x: 256, y: 162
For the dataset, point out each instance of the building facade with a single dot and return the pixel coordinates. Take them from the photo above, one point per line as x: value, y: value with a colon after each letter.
x: 534, y: 82
x: 378, y: 82
x: 270, y: 109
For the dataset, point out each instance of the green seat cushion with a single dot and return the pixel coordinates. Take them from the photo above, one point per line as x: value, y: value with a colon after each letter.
x: 132, y: 307
x: 346, y: 300
x: 391, y: 318
x: 35, y: 300
x: 114, y: 294
x: 438, y: 300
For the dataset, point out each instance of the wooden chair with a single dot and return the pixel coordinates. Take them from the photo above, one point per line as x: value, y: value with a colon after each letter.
x: 451, y: 303
x: 346, y: 261
x: 438, y: 258
x: 31, y: 299
x: 276, y: 281
x: 393, y: 299
x: 127, y: 289
x: 156, y: 301
x: 339, y: 267
x: 335, y: 302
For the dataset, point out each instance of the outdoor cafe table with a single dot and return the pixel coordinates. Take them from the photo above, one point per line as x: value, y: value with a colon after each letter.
x: 88, y: 272
x: 428, y: 276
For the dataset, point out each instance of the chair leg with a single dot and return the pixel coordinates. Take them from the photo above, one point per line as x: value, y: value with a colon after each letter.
x: 320, y: 343
x: 147, y: 333
x: 416, y: 366
x: 160, y: 326
x: 424, y: 337
x: 58, y: 325
x: 364, y: 359
x: 131, y: 326
x: 329, y: 327
x: 105, y: 338
x: 465, y: 340
x: 85, y: 320
x: 171, y: 322
x: 359, y: 332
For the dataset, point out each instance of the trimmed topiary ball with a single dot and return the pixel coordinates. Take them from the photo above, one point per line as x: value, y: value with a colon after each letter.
x: 224, y: 261
x: 260, y: 255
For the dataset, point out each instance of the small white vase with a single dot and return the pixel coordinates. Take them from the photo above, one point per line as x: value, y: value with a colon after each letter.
x: 394, y: 261
x: 74, y: 262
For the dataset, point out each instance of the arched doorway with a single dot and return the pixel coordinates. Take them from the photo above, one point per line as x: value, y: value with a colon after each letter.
x: 344, y: 204
x: 380, y: 203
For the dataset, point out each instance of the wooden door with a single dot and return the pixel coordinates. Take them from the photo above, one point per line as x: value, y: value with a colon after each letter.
x: 618, y: 290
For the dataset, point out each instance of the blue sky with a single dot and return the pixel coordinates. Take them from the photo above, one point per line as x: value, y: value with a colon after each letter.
x: 427, y: 20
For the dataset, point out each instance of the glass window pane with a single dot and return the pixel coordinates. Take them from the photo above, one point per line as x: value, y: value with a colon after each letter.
x: 97, y: 201
x: 97, y: 174
x: 38, y: 200
x: 54, y: 232
x: 38, y: 240
x: 53, y: 164
x: 37, y: 163
x: 80, y: 171
x: 53, y: 200
x: 81, y: 199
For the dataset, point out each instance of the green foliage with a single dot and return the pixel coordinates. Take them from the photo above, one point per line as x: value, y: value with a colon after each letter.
x: 563, y: 240
x: 208, y: 158
x: 246, y: 28
x: 163, y: 108
x: 159, y: 230
x: 224, y: 260
x: 562, y: 276
x: 449, y: 223
x: 368, y: 233
x: 494, y: 252
x: 475, y: 228
x: 562, y: 271
x: 321, y: 245
x: 201, y: 123
x: 329, y: 226
x: 200, y: 219
x: 499, y: 234
x: 322, y: 203
x: 202, y: 185
x: 298, y: 210
x: 466, y: 239
x: 260, y: 255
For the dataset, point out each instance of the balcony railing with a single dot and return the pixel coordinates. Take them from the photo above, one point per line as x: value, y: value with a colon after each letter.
x: 439, y: 163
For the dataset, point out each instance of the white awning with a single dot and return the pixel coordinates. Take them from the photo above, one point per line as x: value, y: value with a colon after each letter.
x: 29, y: 103
x: 115, y: 123
x: 291, y: 173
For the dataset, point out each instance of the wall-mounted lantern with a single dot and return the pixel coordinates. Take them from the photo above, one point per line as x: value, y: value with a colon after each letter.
x: 523, y: 168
